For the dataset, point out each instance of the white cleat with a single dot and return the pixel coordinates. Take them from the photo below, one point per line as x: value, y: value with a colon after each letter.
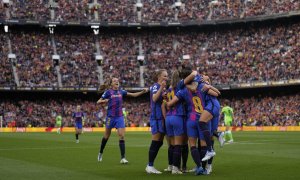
x: 169, y: 168
x: 175, y: 170
x: 193, y: 170
x: 208, y: 155
x: 208, y: 168
x: 99, y: 157
x: 77, y: 141
x: 152, y: 170
x: 221, y: 139
x: 230, y: 141
x: 123, y: 161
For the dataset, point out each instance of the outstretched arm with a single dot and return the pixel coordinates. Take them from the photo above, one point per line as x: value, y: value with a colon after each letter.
x: 145, y: 90
x: 102, y: 101
x: 190, y: 77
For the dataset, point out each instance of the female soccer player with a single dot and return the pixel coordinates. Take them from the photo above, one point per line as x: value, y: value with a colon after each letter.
x: 113, y: 97
x: 195, y: 102
x: 156, y: 118
x: 228, y: 118
x: 176, y: 124
x: 79, y: 117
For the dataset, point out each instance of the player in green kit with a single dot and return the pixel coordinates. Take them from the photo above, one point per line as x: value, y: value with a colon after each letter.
x: 228, y: 118
x: 58, y: 123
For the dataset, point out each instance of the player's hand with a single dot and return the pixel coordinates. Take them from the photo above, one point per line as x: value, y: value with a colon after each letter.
x: 205, y: 88
x: 145, y: 90
x: 163, y: 83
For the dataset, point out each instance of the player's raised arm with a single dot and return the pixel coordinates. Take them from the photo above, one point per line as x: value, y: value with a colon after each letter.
x: 156, y: 96
x: 190, y: 77
x: 145, y: 90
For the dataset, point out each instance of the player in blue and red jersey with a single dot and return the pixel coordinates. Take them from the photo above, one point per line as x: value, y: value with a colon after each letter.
x: 195, y: 101
x: 176, y: 124
x: 208, y: 122
x: 113, y: 97
x: 78, y: 117
x: 157, y: 90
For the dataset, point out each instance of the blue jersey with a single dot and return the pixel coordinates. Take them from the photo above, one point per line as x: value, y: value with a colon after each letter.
x: 78, y: 116
x: 198, y: 78
x: 195, y: 101
x: 156, y: 112
x: 115, y: 101
x: 178, y: 109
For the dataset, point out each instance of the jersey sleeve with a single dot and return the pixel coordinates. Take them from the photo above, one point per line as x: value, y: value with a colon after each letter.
x: 105, y: 95
x: 123, y: 92
x: 180, y: 94
x: 154, y: 89
x: 181, y: 84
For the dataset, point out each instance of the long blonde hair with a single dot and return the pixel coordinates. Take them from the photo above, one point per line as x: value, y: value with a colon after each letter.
x: 175, y: 78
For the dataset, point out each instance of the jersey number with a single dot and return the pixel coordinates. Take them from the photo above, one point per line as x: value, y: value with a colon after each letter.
x: 170, y: 95
x: 198, y: 104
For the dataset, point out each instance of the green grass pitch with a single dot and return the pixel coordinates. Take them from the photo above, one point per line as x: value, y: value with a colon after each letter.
x: 254, y: 155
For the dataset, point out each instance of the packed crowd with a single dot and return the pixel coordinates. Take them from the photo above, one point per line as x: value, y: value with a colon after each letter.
x: 267, y: 53
x: 253, y: 111
x: 33, y: 59
x: 78, y: 66
x: 152, y: 10
x: 6, y: 75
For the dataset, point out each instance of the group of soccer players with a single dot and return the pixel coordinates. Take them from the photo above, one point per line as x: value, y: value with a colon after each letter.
x: 187, y: 112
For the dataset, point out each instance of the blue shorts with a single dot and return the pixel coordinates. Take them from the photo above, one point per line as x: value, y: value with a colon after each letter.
x: 213, y: 107
x: 193, y: 127
x: 157, y: 126
x: 175, y: 126
x: 115, y: 122
x: 78, y: 125
x: 214, y: 123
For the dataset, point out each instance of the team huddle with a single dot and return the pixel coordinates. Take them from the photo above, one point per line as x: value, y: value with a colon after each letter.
x: 186, y: 112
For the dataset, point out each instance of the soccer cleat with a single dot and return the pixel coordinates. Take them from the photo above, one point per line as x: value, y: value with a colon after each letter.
x: 208, y: 168
x: 184, y: 170
x: 175, y: 170
x: 200, y: 171
x: 230, y: 141
x: 123, y: 161
x: 152, y: 170
x: 208, y: 155
x: 169, y: 168
x: 193, y: 170
x: 77, y: 141
x: 221, y: 139
x: 99, y: 157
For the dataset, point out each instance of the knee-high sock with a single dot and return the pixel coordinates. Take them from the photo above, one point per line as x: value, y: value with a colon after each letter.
x: 153, y: 150
x: 184, y: 155
x: 103, y: 143
x: 202, y: 154
x: 177, y: 156
x: 206, y: 133
x: 196, y: 156
x: 170, y: 154
x: 211, y: 159
x: 122, y: 148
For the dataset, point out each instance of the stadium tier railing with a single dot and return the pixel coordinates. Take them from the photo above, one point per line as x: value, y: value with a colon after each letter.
x: 149, y: 24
